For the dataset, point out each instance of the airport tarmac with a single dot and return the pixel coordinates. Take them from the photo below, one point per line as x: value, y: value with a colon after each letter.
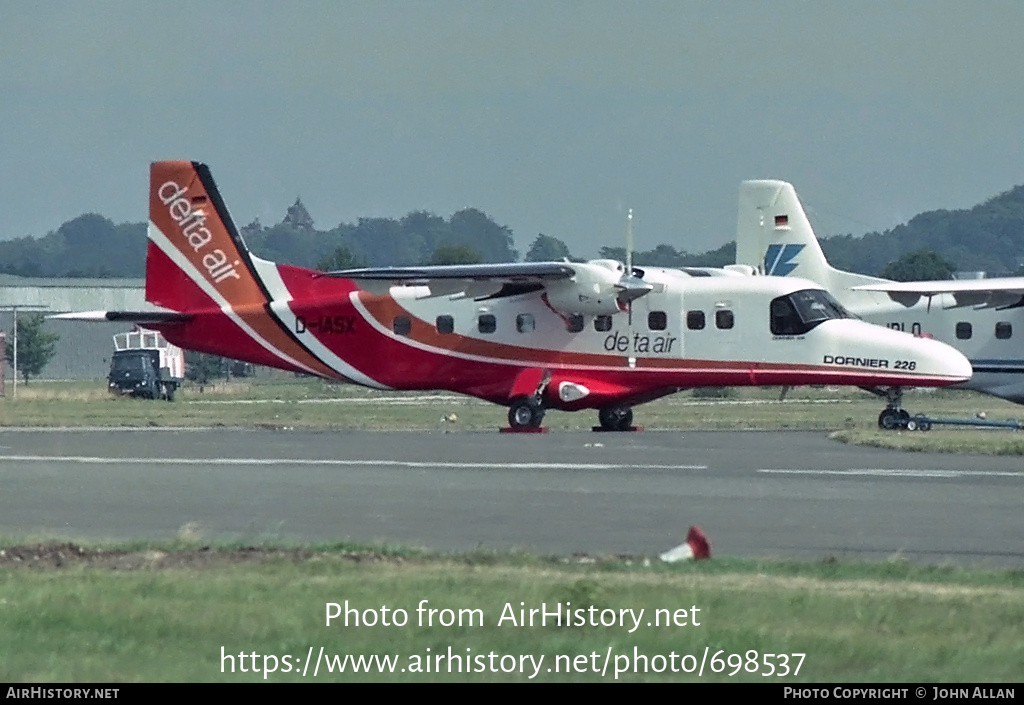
x: 780, y: 494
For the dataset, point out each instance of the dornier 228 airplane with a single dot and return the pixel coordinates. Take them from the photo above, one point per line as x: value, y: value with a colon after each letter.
x: 529, y: 336
x: 976, y: 316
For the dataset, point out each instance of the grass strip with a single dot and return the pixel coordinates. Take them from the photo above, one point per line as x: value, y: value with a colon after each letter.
x: 173, y: 612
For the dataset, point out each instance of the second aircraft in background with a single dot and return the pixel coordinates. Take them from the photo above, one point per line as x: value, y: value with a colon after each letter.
x: 982, y: 318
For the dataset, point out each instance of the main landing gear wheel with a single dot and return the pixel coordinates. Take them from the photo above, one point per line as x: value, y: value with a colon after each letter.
x: 615, y: 418
x: 525, y: 412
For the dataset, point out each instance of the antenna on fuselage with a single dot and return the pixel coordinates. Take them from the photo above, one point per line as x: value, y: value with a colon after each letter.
x: 629, y: 243
x: 629, y: 263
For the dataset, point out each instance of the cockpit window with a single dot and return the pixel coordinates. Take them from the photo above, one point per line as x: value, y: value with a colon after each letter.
x: 799, y: 312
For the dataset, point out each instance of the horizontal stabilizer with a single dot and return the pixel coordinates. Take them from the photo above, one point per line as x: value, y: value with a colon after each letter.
x: 140, y: 317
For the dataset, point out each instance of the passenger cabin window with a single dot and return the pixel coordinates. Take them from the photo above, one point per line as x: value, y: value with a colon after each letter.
x: 695, y: 320
x: 525, y: 323
x: 1004, y: 330
x: 724, y: 319
x: 574, y: 324
x: 401, y: 325
x: 964, y: 330
x: 486, y: 323
x: 801, y: 311
x: 602, y: 324
x: 445, y: 325
x: 657, y: 320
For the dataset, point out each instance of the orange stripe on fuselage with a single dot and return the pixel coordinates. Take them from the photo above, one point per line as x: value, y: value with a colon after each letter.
x: 186, y: 214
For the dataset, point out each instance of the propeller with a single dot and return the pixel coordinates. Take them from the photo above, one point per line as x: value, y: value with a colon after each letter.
x: 630, y: 287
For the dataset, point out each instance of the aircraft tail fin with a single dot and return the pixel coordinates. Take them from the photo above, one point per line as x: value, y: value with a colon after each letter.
x: 774, y: 236
x: 196, y: 256
x: 197, y: 265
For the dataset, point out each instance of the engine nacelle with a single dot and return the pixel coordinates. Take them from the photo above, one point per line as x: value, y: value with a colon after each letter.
x: 599, y: 288
x: 591, y: 299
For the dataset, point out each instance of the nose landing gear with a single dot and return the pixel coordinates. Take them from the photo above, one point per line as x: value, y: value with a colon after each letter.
x: 894, y: 416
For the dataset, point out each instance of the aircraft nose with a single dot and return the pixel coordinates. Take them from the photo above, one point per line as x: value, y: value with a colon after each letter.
x: 912, y: 361
x: 936, y: 360
x: 949, y: 361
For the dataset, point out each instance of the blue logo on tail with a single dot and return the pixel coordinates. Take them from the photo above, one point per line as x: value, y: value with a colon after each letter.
x: 778, y: 259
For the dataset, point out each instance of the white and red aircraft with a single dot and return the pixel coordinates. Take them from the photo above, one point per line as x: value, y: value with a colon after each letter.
x: 530, y: 336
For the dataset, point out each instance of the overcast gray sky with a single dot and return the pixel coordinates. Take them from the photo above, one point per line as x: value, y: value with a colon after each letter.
x: 549, y: 116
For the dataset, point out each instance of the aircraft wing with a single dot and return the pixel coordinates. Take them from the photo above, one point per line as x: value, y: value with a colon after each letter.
x: 460, y: 277
x: 556, y: 270
x: 986, y: 293
x: 596, y: 287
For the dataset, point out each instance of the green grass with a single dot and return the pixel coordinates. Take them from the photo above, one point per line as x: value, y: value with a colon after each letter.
x: 279, y: 401
x: 952, y: 440
x: 885, y: 622
x: 856, y: 622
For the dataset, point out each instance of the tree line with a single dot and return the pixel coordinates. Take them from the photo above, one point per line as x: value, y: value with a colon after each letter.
x: 932, y: 245
x: 989, y: 237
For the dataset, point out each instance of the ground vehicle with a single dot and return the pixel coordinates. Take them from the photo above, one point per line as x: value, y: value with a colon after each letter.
x: 145, y: 365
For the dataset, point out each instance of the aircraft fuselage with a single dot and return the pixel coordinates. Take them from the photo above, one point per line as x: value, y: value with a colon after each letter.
x: 687, y: 332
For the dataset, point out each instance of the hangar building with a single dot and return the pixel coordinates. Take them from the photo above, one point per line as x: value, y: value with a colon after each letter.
x: 83, y: 351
